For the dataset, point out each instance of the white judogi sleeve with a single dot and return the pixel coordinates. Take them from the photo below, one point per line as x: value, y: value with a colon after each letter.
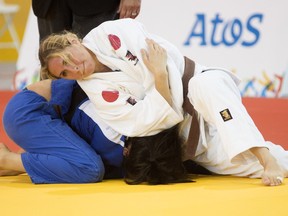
x: 117, y: 44
x: 126, y: 113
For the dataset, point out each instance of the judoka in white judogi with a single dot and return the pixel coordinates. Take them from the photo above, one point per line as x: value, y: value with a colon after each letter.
x: 127, y: 100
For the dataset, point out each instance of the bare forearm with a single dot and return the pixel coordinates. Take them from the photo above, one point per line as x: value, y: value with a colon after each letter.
x: 162, y: 86
x: 155, y: 59
x: 263, y: 155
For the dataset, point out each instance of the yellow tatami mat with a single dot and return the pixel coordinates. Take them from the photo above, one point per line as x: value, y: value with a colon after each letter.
x: 210, y: 195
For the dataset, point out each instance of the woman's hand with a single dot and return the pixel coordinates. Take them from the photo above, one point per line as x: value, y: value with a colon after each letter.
x: 273, y: 174
x: 155, y: 59
x: 129, y: 8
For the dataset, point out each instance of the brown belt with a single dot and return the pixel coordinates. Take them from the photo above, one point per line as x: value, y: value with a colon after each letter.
x: 193, y: 137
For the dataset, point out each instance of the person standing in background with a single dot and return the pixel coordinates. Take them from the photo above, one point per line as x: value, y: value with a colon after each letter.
x: 80, y: 16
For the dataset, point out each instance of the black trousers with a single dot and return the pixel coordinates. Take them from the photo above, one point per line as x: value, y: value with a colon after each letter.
x: 60, y: 17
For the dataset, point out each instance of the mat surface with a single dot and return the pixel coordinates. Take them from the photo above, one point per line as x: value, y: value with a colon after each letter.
x: 207, y: 196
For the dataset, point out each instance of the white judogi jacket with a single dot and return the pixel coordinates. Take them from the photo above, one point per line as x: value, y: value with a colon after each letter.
x: 127, y: 99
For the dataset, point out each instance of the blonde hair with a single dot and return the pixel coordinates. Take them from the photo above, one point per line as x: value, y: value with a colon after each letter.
x: 54, y: 46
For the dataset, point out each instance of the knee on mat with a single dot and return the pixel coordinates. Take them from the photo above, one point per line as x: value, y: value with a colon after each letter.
x: 80, y: 173
x: 91, y: 174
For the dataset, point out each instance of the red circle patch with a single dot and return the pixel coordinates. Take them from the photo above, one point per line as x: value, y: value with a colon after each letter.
x: 114, y: 41
x: 110, y: 96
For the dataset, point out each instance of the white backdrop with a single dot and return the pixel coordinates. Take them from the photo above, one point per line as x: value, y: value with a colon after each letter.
x: 247, y: 37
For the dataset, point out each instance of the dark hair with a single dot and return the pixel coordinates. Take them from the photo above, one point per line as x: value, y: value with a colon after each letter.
x: 155, y: 159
